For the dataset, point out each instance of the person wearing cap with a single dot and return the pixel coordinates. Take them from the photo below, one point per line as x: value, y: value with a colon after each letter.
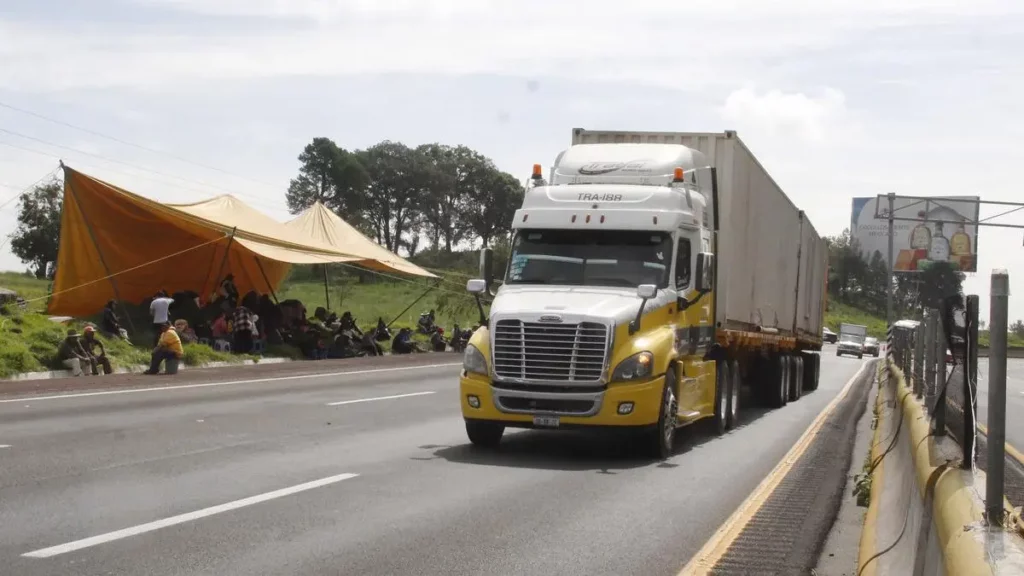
x: 71, y: 353
x: 90, y: 343
x: 168, y: 347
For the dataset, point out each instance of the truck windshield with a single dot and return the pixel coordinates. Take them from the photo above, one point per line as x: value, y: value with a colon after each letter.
x: 616, y: 258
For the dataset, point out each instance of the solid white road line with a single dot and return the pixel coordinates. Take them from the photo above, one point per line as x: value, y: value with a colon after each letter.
x: 377, y: 398
x: 182, y: 518
x: 228, y: 383
x: 5, y: 445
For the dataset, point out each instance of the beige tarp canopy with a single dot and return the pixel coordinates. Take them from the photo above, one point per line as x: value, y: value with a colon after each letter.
x: 326, y: 227
x: 118, y: 245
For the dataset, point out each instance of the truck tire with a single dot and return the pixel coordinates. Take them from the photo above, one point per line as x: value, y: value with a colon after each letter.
x: 838, y: 353
x: 723, y: 381
x: 796, y: 378
x: 778, y: 383
x: 661, y: 441
x: 735, y: 382
x: 484, y: 434
x: 812, y: 362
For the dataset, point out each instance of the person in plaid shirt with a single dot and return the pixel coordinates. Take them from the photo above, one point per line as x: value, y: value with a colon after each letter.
x: 243, y: 327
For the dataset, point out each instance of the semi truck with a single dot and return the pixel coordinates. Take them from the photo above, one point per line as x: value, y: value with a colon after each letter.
x: 652, y: 277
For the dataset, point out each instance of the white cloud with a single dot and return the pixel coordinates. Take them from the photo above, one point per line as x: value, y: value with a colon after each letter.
x: 777, y: 114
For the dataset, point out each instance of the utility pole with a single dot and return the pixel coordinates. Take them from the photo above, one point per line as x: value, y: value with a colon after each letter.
x: 891, y: 262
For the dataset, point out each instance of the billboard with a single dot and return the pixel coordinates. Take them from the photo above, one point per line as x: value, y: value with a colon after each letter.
x: 942, y: 230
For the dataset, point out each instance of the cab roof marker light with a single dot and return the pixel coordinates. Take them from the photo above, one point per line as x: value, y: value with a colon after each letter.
x: 588, y: 219
x: 574, y: 218
x: 677, y: 175
x: 525, y: 216
x: 602, y: 219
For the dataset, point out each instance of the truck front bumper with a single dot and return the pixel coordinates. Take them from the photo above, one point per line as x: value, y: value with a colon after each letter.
x: 645, y: 397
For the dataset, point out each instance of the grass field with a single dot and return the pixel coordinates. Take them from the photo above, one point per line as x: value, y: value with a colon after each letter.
x: 28, y: 340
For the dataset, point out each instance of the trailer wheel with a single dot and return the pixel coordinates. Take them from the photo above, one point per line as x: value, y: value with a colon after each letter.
x: 733, y: 412
x: 779, y: 383
x: 812, y: 365
x: 723, y: 382
x: 796, y: 378
x: 484, y: 434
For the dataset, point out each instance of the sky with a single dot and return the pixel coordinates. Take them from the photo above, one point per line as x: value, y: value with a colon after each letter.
x: 181, y: 100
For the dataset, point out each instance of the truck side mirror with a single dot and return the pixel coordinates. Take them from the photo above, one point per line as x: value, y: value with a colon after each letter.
x: 476, y: 287
x: 487, y: 267
x: 705, y: 281
x: 645, y: 292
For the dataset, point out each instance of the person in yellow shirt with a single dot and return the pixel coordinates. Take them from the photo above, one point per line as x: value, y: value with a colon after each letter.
x: 167, y: 347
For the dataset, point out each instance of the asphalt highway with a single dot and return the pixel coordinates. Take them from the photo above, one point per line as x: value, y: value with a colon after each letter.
x: 361, y: 473
x: 1014, y: 399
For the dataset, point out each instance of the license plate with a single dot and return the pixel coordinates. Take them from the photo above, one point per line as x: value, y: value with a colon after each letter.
x: 546, y: 421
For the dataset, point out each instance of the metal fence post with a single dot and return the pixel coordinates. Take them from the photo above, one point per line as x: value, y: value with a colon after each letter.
x: 919, y: 359
x: 939, y: 412
x: 931, y: 319
x: 970, y: 440
x: 997, y: 320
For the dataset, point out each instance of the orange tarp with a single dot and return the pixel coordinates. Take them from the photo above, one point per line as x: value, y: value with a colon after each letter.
x: 148, y: 246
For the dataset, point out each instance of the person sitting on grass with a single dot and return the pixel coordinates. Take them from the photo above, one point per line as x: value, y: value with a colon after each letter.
x: 167, y: 348
x: 90, y: 343
x: 185, y: 333
x: 71, y: 353
x: 111, y: 323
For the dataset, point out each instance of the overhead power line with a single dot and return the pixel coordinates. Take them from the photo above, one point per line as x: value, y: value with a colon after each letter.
x: 132, y: 144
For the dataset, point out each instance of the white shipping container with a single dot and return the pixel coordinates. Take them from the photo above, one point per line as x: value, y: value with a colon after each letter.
x: 771, y: 261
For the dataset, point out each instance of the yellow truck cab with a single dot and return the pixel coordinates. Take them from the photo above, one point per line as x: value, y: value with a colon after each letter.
x: 607, y: 316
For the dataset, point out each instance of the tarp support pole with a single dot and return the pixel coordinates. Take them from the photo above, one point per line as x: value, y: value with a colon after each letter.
x: 429, y: 289
x: 88, y: 226
x: 265, y: 279
x: 327, y: 291
x: 224, y: 260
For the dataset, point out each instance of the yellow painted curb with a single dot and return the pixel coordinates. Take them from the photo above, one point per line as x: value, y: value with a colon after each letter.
x: 1010, y: 449
x: 953, y: 507
x: 868, y: 533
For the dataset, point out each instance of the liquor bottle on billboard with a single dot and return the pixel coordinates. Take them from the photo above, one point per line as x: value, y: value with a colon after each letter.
x: 939, y: 249
x: 921, y: 236
x: 960, y: 243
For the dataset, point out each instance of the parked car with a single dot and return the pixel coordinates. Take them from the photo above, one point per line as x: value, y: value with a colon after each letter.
x: 829, y: 336
x: 871, y: 346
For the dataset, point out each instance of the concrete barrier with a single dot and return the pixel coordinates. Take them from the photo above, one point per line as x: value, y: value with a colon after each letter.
x: 926, y: 514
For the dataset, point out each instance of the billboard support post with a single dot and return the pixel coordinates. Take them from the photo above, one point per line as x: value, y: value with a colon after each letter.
x: 891, y: 262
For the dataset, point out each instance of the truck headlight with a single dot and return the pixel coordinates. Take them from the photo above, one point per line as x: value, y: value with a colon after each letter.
x: 636, y: 366
x: 473, y: 361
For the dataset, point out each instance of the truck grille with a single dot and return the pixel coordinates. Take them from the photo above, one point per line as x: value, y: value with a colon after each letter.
x: 550, y: 352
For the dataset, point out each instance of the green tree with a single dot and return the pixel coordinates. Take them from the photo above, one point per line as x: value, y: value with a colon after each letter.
x: 457, y: 171
x: 399, y: 183
x: 938, y: 282
x: 37, y: 237
x: 492, y: 204
x: 847, y: 270
x: 330, y: 175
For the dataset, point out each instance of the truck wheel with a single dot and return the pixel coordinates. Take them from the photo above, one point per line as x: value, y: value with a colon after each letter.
x: 733, y: 412
x: 812, y: 362
x: 838, y: 354
x: 723, y: 380
x: 779, y: 384
x: 796, y: 378
x: 860, y: 356
x: 662, y: 439
x: 484, y: 434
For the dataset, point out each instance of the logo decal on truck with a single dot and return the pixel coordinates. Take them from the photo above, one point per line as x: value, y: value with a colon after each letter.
x: 588, y: 197
x: 550, y: 318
